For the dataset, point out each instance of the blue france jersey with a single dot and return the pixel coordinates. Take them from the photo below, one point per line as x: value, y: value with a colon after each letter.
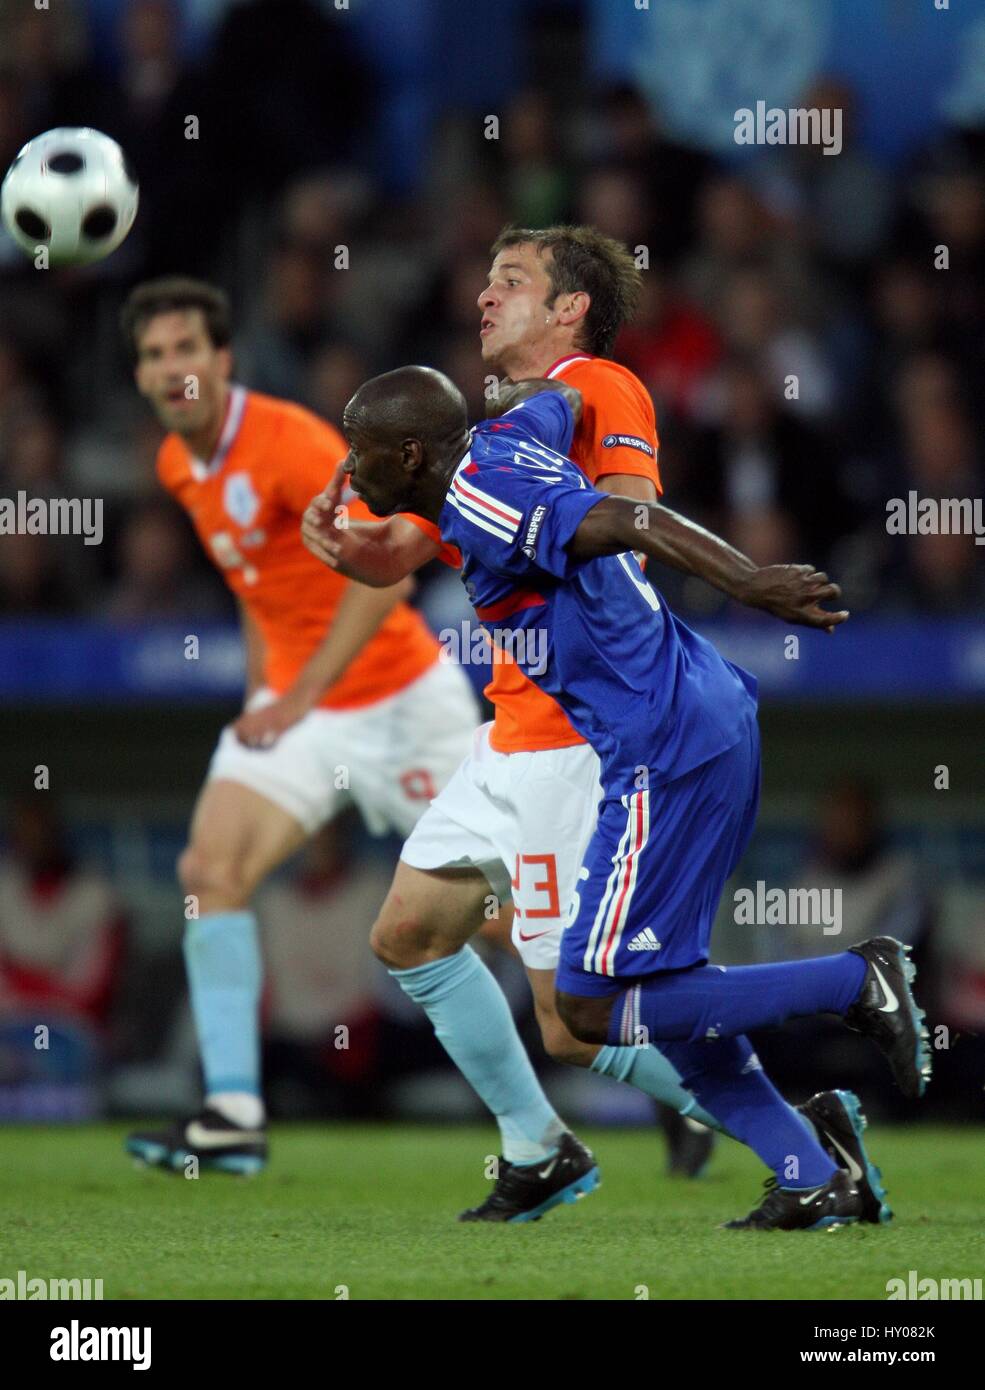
x: 640, y: 686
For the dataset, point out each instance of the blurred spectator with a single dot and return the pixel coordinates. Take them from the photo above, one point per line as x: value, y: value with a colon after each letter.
x: 536, y: 182
x: 762, y: 475
x: 616, y: 201
x: 926, y: 380
x: 939, y: 450
x: 33, y: 577
x: 947, y: 211
x: 940, y: 456
x: 621, y: 130
x: 154, y: 582
x: 671, y: 346
x: 61, y: 924
x: 449, y: 312
x: 481, y: 208
x: 753, y: 320
x: 39, y: 56
x: 318, y: 211
x: 335, y: 375
x: 907, y: 321
x: 316, y: 927
x: 15, y: 123
x: 883, y: 892
x: 809, y: 190
x: 17, y: 397
x: 322, y: 1024
x: 293, y: 324
x: 943, y: 575
x: 459, y: 358
x: 34, y: 456
x: 734, y: 233
x: 145, y: 102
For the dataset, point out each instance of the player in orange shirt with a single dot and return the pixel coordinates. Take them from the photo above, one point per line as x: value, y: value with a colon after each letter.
x: 522, y: 807
x: 346, y: 699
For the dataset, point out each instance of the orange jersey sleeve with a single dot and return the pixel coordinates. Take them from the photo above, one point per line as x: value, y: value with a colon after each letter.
x: 448, y: 554
x: 246, y: 507
x: 617, y: 433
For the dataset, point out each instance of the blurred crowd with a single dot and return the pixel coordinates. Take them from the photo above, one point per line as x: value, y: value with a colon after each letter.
x: 812, y: 329
x: 94, y: 1016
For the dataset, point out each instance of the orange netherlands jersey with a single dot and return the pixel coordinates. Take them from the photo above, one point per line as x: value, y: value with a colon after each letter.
x: 617, y: 433
x: 246, y: 504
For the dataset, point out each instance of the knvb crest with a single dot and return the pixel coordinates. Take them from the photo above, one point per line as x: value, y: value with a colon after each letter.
x: 240, y: 499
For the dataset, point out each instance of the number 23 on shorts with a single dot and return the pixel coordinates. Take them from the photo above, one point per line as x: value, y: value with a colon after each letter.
x: 546, y: 886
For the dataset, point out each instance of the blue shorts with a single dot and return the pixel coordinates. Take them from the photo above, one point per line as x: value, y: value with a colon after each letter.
x: 654, y: 872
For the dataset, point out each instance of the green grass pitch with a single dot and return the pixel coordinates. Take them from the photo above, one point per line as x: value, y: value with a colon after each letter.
x: 373, y: 1209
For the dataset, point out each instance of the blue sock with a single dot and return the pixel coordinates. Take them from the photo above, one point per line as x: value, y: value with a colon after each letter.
x: 649, y: 1071
x: 473, y: 1023
x: 728, y: 1078
x: 222, y: 957
x: 711, y: 1001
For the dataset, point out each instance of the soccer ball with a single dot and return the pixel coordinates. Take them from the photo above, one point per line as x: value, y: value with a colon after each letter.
x: 71, y: 191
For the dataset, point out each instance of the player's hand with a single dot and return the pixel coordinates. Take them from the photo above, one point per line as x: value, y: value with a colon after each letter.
x: 319, y: 535
x: 261, y: 728
x: 795, y: 594
x: 501, y: 399
x: 319, y: 529
x: 513, y: 393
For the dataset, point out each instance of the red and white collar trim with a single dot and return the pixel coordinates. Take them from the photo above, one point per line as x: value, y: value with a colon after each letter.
x: 235, y: 410
x: 559, y: 366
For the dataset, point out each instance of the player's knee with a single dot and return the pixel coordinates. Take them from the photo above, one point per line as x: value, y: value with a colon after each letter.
x: 402, y: 940
x: 217, y: 881
x: 587, y: 1019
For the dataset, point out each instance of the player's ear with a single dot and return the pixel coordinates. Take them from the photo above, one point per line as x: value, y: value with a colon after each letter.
x: 573, y: 307
x: 412, y: 456
x: 224, y: 357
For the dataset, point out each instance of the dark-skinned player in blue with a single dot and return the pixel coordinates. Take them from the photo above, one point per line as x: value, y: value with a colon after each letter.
x: 674, y: 726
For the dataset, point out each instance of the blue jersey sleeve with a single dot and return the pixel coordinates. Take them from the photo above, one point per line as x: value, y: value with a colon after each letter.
x: 547, y: 416
x: 517, y: 519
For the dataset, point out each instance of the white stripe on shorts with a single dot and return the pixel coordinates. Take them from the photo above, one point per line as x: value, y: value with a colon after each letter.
x: 626, y: 868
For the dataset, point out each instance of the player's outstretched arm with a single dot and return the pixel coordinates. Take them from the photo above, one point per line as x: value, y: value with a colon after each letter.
x: 377, y: 553
x: 793, y: 593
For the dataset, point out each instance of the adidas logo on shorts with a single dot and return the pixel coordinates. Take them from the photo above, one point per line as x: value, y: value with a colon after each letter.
x: 644, y: 941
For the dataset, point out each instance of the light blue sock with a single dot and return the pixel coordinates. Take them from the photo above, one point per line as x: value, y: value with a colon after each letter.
x: 649, y: 1071
x: 473, y: 1023
x: 222, y: 957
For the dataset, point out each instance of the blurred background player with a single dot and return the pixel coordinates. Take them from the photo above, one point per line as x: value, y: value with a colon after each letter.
x: 345, y: 697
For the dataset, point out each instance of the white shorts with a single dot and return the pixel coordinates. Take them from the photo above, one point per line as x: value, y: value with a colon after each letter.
x: 388, y: 758
x: 525, y: 820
